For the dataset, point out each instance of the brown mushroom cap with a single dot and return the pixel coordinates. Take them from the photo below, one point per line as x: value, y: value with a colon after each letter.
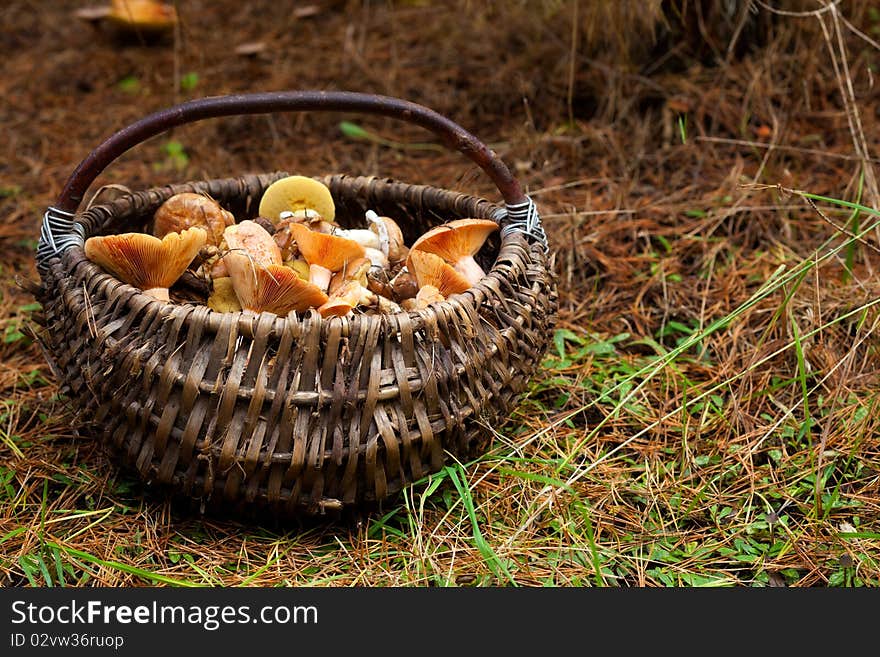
x: 387, y: 229
x: 144, y: 261
x: 455, y: 239
x: 275, y: 289
x: 431, y: 269
x: 404, y: 285
x: 188, y: 209
x: 328, y: 251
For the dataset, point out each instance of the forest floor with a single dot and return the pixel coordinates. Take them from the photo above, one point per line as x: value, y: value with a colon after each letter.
x: 707, y: 414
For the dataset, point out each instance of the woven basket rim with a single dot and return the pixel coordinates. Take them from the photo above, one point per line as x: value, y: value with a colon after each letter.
x: 467, y: 301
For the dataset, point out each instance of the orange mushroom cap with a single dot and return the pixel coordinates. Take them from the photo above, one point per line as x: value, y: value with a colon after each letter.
x: 144, y: 261
x: 431, y: 269
x: 146, y: 15
x: 275, y: 289
x: 454, y: 239
x: 328, y: 251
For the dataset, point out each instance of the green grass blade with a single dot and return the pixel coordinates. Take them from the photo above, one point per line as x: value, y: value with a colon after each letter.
x: 853, y: 225
x: 492, y: 559
x: 125, y: 568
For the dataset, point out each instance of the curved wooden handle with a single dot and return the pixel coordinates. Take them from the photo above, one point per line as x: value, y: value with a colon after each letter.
x: 453, y: 136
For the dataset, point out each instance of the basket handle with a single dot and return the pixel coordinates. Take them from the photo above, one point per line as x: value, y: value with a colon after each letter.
x: 60, y: 231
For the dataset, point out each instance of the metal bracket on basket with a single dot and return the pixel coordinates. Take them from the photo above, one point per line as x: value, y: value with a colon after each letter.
x: 524, y: 217
x: 58, y: 233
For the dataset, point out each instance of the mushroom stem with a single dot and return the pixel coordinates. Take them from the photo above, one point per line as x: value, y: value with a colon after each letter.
x: 470, y: 269
x: 427, y: 295
x: 366, y: 238
x: 160, y: 293
x: 377, y: 258
x: 320, y: 276
x: 386, y: 306
x: 381, y: 231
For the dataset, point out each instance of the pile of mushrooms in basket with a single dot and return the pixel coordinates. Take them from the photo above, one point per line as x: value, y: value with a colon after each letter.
x: 293, y: 256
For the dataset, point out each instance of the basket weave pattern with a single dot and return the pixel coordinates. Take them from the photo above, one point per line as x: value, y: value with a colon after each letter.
x: 295, y: 414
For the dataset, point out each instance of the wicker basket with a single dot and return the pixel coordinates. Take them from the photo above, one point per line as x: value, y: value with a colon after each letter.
x: 295, y: 415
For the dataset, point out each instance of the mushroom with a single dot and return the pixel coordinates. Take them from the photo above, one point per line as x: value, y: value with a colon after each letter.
x: 251, y: 238
x: 385, y: 305
x: 271, y: 288
x: 349, y: 289
x: 144, y: 261
x: 308, y: 217
x: 426, y: 295
x: 399, y: 286
x: 142, y: 16
x: 300, y: 266
x: 377, y: 258
x: 404, y: 285
x: 284, y: 237
x: 344, y: 300
x: 215, y: 264
x: 294, y: 193
x: 252, y: 254
x: 265, y: 223
x: 223, y: 298
x: 188, y: 209
x: 390, y: 236
x: 366, y: 238
x: 431, y: 270
x: 325, y: 254
x: 456, y: 242
x: 349, y: 286
x: 355, y: 270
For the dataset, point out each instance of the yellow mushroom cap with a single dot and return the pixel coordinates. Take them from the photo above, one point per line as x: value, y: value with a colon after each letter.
x: 144, y: 261
x: 223, y: 298
x: 188, y: 209
x: 275, y: 289
x: 297, y: 193
x: 328, y: 251
x: 431, y: 269
x: 300, y: 266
